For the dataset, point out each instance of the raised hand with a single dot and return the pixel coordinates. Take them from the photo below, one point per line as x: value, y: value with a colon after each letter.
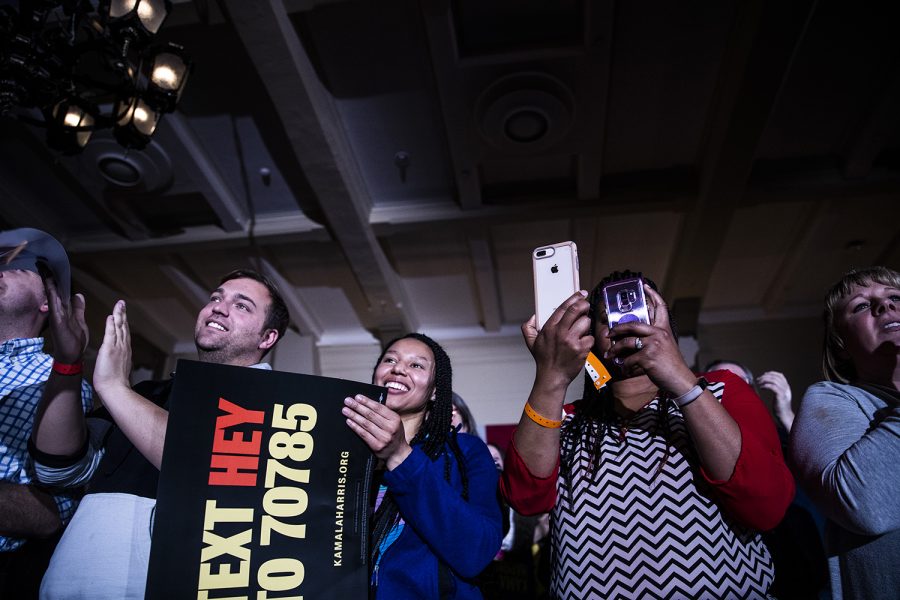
x: 777, y: 383
x: 651, y: 349
x: 562, y: 345
x: 379, y: 427
x: 68, y: 329
x: 113, y: 367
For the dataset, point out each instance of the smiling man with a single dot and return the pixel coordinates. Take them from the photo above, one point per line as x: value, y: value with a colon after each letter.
x: 105, y: 552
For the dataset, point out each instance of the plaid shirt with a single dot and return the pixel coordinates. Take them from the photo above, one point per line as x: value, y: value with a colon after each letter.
x: 23, y: 370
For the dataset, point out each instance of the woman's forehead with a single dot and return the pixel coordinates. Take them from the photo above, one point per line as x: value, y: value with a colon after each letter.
x: 411, y: 347
x: 866, y: 288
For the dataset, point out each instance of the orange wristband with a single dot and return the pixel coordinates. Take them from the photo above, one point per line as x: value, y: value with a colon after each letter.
x: 542, y: 421
x: 64, y: 369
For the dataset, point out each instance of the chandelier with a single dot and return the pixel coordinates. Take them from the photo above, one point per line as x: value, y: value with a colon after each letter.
x: 76, y: 66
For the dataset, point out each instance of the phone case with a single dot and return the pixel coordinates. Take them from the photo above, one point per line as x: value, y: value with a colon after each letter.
x: 555, y: 277
x: 625, y: 302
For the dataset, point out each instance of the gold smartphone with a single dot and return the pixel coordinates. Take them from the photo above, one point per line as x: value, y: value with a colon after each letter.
x: 555, y: 277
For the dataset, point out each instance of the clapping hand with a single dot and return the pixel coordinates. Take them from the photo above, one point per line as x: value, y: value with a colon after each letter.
x: 68, y: 329
x: 113, y: 367
x: 777, y: 383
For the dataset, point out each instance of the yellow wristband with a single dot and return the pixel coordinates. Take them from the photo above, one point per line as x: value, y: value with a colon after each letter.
x: 542, y: 421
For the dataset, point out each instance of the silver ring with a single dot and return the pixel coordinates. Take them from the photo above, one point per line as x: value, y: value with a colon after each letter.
x: 638, y: 343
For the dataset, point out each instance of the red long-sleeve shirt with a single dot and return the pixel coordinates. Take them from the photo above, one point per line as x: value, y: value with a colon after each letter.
x: 634, y: 523
x: 757, y: 493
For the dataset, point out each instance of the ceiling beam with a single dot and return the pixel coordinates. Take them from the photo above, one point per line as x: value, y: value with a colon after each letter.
x: 800, y: 248
x: 485, y: 282
x: 312, y: 125
x: 584, y: 234
x: 876, y: 129
x: 274, y: 227
x: 761, y: 48
x: 594, y: 77
x: 453, y: 99
x: 300, y: 314
x: 195, y: 293
x: 176, y: 131
x: 776, y: 183
x: 147, y: 324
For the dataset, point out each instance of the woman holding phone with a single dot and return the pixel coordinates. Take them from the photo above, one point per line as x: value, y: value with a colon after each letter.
x: 437, y: 522
x: 658, y: 483
x: 845, y: 443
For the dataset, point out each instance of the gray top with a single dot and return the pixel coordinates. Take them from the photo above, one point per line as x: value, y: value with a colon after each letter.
x: 845, y: 451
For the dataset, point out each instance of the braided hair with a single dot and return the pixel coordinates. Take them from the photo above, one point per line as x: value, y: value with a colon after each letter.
x: 433, y: 435
x: 594, y: 417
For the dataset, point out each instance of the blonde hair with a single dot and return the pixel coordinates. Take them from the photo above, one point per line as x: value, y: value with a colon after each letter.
x: 836, y: 364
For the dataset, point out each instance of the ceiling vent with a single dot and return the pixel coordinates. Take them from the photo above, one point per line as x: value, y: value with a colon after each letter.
x: 525, y: 112
x: 147, y: 170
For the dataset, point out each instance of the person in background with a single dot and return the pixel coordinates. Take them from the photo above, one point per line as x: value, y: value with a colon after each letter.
x: 437, y: 523
x: 513, y: 574
x: 845, y: 444
x: 462, y: 416
x: 660, y: 482
x: 772, y: 381
x: 30, y: 516
x: 796, y: 544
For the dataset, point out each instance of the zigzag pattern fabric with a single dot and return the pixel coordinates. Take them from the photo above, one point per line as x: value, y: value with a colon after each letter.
x: 628, y: 533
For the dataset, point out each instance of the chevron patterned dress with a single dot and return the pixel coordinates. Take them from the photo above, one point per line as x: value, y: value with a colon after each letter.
x: 645, y: 526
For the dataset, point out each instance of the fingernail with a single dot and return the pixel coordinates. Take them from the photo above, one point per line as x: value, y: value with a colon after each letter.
x: 345, y: 411
x: 348, y: 401
x: 360, y: 397
x: 583, y: 293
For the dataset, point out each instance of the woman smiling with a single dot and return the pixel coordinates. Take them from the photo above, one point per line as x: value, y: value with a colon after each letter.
x: 845, y: 444
x: 437, y: 522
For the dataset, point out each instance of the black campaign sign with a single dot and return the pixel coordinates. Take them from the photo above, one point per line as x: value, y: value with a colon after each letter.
x: 263, y: 488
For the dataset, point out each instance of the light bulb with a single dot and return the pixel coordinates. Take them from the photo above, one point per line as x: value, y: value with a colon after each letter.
x: 121, y: 8
x: 145, y: 11
x: 73, y: 117
x: 165, y: 77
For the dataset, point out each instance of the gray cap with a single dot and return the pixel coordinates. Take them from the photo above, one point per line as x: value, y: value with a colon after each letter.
x: 24, y: 248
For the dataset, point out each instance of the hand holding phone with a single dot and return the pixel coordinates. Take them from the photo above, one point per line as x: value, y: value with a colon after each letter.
x: 555, y: 277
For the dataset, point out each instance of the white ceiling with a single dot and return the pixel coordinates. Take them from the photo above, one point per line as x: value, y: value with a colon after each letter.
x: 742, y: 154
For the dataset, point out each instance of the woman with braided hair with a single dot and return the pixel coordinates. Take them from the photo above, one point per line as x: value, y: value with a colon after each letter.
x: 437, y: 522
x: 657, y: 484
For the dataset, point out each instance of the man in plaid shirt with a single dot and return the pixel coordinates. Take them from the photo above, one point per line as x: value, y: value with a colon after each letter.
x: 26, y: 511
